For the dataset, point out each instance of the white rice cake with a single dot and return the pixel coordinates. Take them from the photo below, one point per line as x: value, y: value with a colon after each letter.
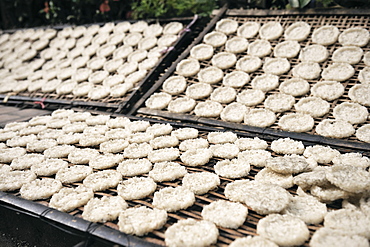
x: 265, y: 82
x: 350, y: 221
x: 249, y: 29
x: 68, y: 199
x: 271, y: 30
x: 289, y: 164
x: 298, y: 31
x: 226, y: 150
x: 307, y: 208
x: 215, y: 39
x: 236, y: 45
x: 201, y: 182
x: 164, y: 154
x: 276, y: 66
x: 140, y: 137
x: 349, y: 178
x: 354, y: 36
x: 49, y: 167
x: 329, y: 193
x: 335, y: 128
x: 174, y: 85
x: 181, y: 105
x: 248, y: 63
x: 338, y: 72
x: 354, y: 113
x: 363, y: 133
x: 7, y: 155
x: 13, y: 180
x: 296, y: 122
x: 259, y: 48
x: 347, y: 54
x: 231, y: 113
x: 210, y: 75
x: 185, y: 133
x: 250, y: 97
x: 236, y: 79
x: 225, y: 214
x: 141, y: 220
x: 259, y: 117
x: 251, y: 143
x: 201, y: 52
x: 221, y: 137
x: 364, y: 75
x: 60, y: 151
x: 314, y: 53
x: 102, y: 180
x: 256, y: 157
x: 314, y: 106
x: 260, y: 197
x: 327, y: 90
x: 113, y: 146
x: 82, y: 156
x: 287, y: 49
x: 134, y: 167
x: 325, y: 35
x: 360, y: 93
x: 255, y: 241
x: 235, y: 168
x: 26, y: 161
x: 106, y: 208
x: 196, y: 157
x: 227, y: 26
x: 105, y: 161
x: 199, y: 90
x: 136, y: 188
x: 208, y: 109
x: 307, y: 70
x: 326, y: 236
x: 279, y: 102
x: 69, y: 139
x: 224, y: 60
x: 322, y: 154
x: 40, y: 146
x: 284, y: 230
x: 40, y: 189
x: 173, y: 199
x: 188, y: 67
x: 158, y: 101
x: 267, y: 175
x: 159, y: 129
x: 73, y: 174
x: 167, y: 171
x: 135, y: 150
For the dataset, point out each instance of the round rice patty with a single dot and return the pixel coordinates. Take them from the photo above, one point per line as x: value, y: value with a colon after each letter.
x: 113, y: 146
x: 140, y: 137
x: 13, y: 180
x: 200, y: 182
x: 224, y: 60
x: 355, y: 36
x: 250, y: 97
x: 314, y: 53
x: 208, y: 109
x: 265, y: 82
x: 104, y: 209
x: 307, y: 70
x: 221, y: 137
x: 190, y: 232
x: 231, y: 113
x: 260, y: 197
x: 26, y: 161
x: 259, y: 48
x: 314, y: 106
x: 293, y: 164
x: 135, y: 150
x: 73, y: 174
x: 105, y: 161
x: 349, y: 178
x: 60, y: 151
x: 201, y: 52
x: 350, y: 221
x: 235, y: 168
x: 173, y: 199
x: 134, y: 167
x: 251, y: 143
x: 141, y: 220
x: 330, y: 237
x: 102, y: 180
x: 327, y: 90
x: 248, y: 64
x: 267, y: 175
x: 255, y: 241
x: 363, y: 133
x: 360, y: 93
x: 335, y: 128
x: 210, y: 75
x: 167, y: 171
x: 185, y: 133
x: 235, y: 79
x: 321, y: 154
x: 199, y: 90
x: 159, y: 129
x: 256, y: 157
x: 225, y: 214
x: 196, y: 157
x: 287, y: 49
x: 49, y: 167
x: 297, y: 31
x: 188, y: 67
x: 364, y: 75
x: 279, y: 102
x: 249, y: 29
x: 136, y: 188
x: 284, y: 230
x: 215, y: 39
x: 259, y: 117
x: 164, y: 154
x: 347, y: 54
x: 181, y: 105
x: 40, y: 189
x: 193, y: 144
x: 325, y: 35
x: 236, y: 44
x: 226, y: 150
x: 174, y: 85
x: 338, y: 72
x: 287, y: 146
x: 164, y: 142
x: 276, y: 66
x: 354, y: 113
x: 296, y: 122
x: 271, y: 30
x: 295, y: 87
x: 68, y: 199
x: 227, y: 26
x: 307, y: 208
x: 82, y: 156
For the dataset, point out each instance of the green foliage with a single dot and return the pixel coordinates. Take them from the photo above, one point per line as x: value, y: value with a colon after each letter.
x: 171, y: 8
x: 326, y: 3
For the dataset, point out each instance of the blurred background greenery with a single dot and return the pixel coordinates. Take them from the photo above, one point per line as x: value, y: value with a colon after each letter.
x: 32, y: 13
